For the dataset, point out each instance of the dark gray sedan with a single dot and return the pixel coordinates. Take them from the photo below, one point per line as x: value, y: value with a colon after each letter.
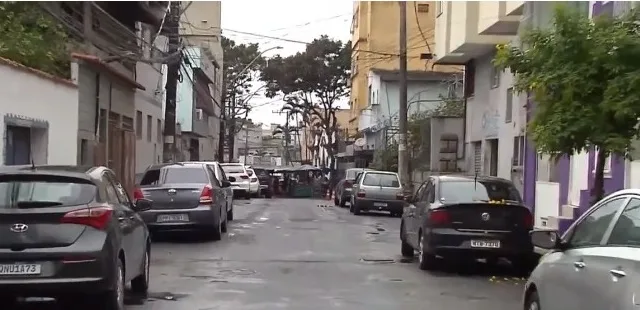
x: 186, y: 197
x: 70, y: 233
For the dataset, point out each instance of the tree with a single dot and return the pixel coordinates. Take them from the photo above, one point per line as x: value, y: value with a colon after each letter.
x: 240, y: 67
x: 31, y: 37
x: 313, y: 81
x: 583, y: 76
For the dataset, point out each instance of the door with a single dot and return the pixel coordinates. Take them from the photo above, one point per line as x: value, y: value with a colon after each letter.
x: 138, y: 229
x: 18, y: 145
x: 424, y: 204
x: 568, y: 276
x: 126, y: 224
x: 218, y: 193
x: 228, y: 190
x: 410, y: 215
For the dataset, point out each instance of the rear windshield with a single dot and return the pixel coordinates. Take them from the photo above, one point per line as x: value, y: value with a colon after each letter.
x: 260, y: 172
x: 381, y: 179
x: 351, y: 174
x: 43, y: 194
x: 470, y: 191
x: 233, y: 169
x: 184, y: 174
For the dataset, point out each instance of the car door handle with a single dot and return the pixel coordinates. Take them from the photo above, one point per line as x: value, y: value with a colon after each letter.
x: 579, y: 265
x: 122, y: 219
x: 617, y: 273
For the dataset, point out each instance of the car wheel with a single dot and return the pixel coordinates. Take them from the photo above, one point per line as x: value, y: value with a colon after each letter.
x: 532, y: 302
x: 140, y: 284
x: 356, y: 209
x: 247, y: 196
x: 407, y: 250
x: 217, y: 230
x: 336, y: 202
x: 351, y: 206
x: 114, y: 298
x: 343, y: 204
x: 426, y: 261
x: 268, y: 194
x: 230, y: 214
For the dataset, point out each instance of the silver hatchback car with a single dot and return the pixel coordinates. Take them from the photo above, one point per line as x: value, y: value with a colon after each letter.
x: 595, y: 265
x: 377, y: 191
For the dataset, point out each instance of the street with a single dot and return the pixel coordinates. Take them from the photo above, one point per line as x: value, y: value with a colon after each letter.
x: 299, y: 254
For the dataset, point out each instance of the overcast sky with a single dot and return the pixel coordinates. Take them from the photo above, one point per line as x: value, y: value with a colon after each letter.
x: 293, y: 20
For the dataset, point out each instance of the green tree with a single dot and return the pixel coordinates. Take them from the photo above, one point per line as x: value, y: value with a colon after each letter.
x: 31, y: 37
x: 241, y: 65
x: 313, y: 81
x: 585, y: 78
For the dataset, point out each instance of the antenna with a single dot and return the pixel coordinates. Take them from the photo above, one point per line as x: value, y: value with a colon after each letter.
x: 475, y: 181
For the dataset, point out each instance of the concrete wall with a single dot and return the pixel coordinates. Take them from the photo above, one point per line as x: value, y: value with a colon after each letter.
x: 49, y: 105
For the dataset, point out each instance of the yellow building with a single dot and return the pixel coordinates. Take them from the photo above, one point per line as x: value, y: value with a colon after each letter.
x: 375, y: 30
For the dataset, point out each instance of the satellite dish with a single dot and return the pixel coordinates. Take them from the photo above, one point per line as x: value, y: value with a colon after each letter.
x: 360, y: 142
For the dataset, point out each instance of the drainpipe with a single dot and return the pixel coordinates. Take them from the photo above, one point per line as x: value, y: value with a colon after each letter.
x: 107, y: 136
x: 96, y: 128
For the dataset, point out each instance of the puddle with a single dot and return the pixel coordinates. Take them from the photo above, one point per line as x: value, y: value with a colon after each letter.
x: 396, y: 280
x: 377, y: 260
x: 239, y: 281
x: 373, y: 233
x: 380, y: 229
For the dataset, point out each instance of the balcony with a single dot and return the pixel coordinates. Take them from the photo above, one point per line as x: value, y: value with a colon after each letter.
x: 493, y: 18
x: 466, y: 30
x: 366, y: 120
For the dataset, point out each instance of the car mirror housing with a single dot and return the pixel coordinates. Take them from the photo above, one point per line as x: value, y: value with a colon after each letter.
x: 226, y: 183
x: 546, y: 239
x: 142, y: 205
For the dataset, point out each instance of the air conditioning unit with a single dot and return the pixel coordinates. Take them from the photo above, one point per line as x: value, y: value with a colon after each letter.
x: 199, y: 114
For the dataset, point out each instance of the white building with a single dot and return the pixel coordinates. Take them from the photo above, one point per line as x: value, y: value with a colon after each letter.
x: 39, y: 117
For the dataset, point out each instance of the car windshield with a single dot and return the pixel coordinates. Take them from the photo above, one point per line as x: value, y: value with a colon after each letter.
x: 381, y: 179
x: 44, y: 193
x: 233, y: 169
x: 480, y: 191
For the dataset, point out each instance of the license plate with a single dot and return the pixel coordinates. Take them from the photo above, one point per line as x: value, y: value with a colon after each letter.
x: 20, y: 269
x: 492, y: 244
x: 379, y: 204
x: 173, y: 218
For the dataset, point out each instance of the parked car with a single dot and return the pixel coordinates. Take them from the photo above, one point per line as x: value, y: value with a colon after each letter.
x: 377, y: 191
x: 254, y: 183
x: 241, y: 187
x: 186, y: 197
x: 70, y: 233
x: 221, y: 176
x: 266, y: 182
x: 344, y: 187
x: 466, y: 218
x: 595, y: 264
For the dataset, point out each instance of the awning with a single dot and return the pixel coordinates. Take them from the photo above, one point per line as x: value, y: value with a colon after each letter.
x: 101, y: 65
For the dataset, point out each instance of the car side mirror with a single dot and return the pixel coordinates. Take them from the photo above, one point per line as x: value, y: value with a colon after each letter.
x: 142, y: 205
x: 546, y: 239
x: 231, y: 179
x: 226, y: 183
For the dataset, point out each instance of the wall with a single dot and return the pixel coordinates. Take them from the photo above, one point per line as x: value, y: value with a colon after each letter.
x: 149, y: 102
x: 36, y: 97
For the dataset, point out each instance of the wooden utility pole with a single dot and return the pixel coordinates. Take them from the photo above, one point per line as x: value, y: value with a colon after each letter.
x: 223, y: 119
x: 172, y: 24
x: 403, y: 159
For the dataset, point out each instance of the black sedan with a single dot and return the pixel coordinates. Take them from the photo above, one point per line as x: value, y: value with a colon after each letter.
x: 70, y: 233
x: 459, y: 217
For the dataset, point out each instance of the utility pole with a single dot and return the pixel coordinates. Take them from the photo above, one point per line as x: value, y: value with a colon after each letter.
x: 222, y: 134
x: 246, y: 143
x: 403, y: 161
x: 172, y: 24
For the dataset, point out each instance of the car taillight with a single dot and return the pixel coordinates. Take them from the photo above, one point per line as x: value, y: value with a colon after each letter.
x: 528, y: 220
x: 439, y: 217
x: 360, y: 194
x: 254, y: 179
x: 206, y: 197
x: 97, y: 217
x: 137, y: 194
x: 244, y: 177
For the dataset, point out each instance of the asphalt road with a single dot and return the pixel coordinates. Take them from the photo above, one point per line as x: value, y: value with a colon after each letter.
x: 297, y: 254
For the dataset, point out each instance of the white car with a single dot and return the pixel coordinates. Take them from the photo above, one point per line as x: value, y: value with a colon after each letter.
x: 254, y: 183
x: 241, y: 187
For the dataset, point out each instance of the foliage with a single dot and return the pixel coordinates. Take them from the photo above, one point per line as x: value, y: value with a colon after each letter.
x: 583, y: 75
x: 386, y: 159
x: 312, y: 82
x: 31, y: 37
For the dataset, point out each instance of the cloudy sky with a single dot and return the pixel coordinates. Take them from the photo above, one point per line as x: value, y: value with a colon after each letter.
x: 292, y: 20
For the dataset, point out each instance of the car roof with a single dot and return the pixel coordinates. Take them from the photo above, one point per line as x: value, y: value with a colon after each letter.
x: 81, y: 172
x: 232, y: 164
x: 471, y: 178
x: 381, y: 172
x: 199, y: 162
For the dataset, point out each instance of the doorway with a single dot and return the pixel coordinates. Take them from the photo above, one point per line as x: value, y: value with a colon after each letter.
x: 194, y: 149
x: 492, y: 144
x: 18, y: 145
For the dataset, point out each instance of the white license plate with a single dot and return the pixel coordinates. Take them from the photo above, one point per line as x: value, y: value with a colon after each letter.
x: 492, y: 244
x: 19, y: 269
x: 379, y: 204
x: 173, y: 218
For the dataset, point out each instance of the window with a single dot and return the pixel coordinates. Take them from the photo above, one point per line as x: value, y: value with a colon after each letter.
x: 508, y: 113
x: 370, y: 96
x: 120, y: 191
x: 482, y: 191
x: 495, y: 77
x: 159, y: 131
x: 43, y: 192
x: 469, y: 78
x: 607, y: 163
x: 381, y: 179
x: 138, y: 125
x: 429, y: 193
x: 193, y: 174
x: 591, y: 229
x: 112, y: 196
x: 84, y: 152
x: 423, y: 8
x: 518, y: 151
x: 149, y: 127
x: 627, y: 228
x: 233, y: 169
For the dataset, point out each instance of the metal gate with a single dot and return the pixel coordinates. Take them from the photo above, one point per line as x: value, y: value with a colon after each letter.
x: 477, y: 157
x: 122, y: 154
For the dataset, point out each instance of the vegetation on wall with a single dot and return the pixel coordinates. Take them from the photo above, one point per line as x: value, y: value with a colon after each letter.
x: 33, y: 38
x: 584, y: 77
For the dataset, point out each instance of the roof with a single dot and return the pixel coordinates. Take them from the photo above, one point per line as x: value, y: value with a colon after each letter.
x: 42, y: 74
x: 394, y: 75
x: 101, y: 65
x: 471, y: 178
x: 82, y: 172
